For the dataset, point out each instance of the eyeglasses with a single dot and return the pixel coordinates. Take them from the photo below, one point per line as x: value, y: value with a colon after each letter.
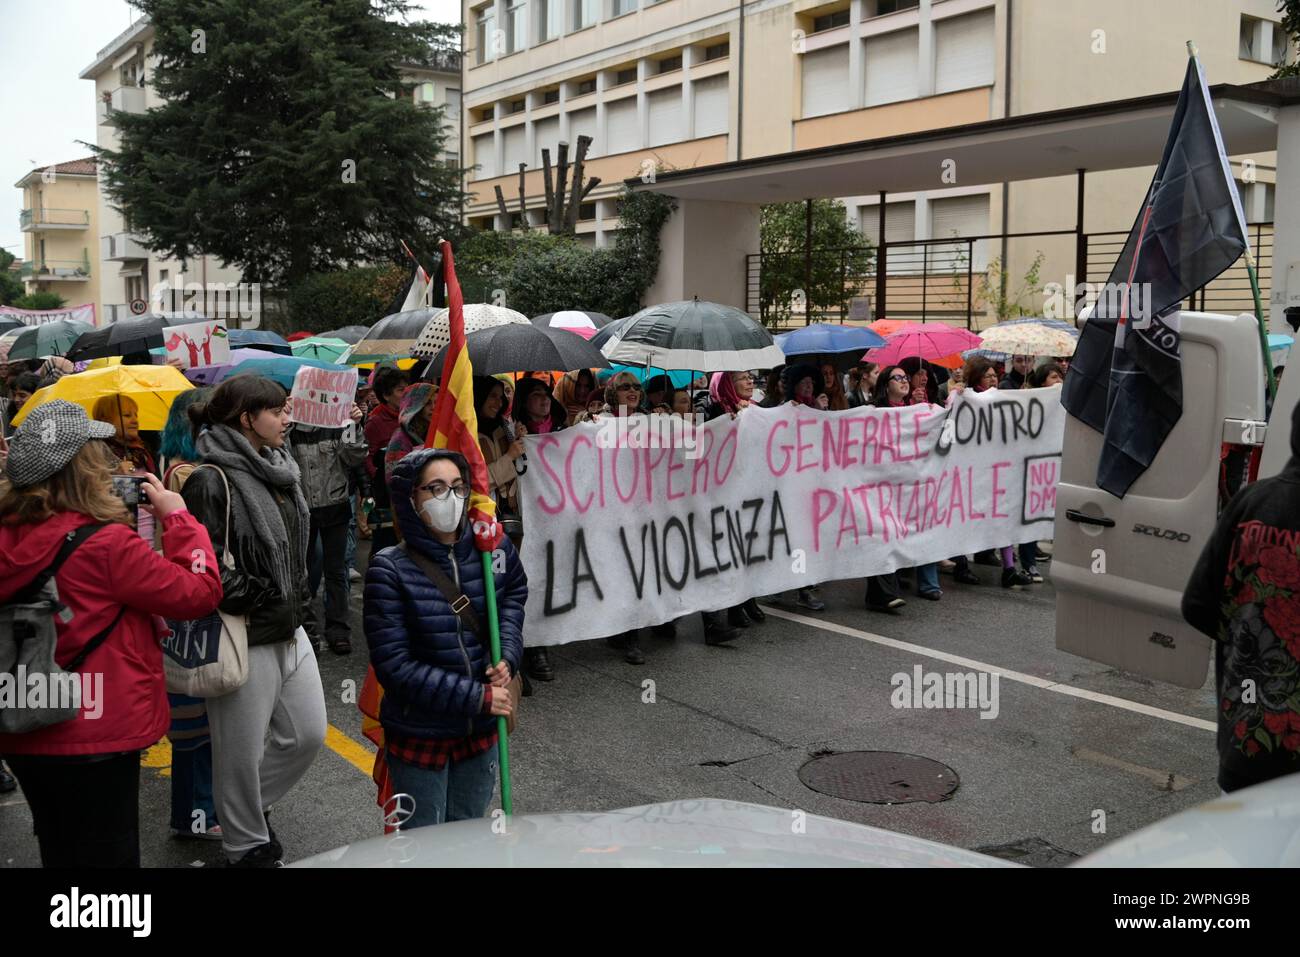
x: 440, y: 490
x: 627, y: 387
x: 898, y: 378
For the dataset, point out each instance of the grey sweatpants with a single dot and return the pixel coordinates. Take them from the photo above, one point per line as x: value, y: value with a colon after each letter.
x: 265, y: 736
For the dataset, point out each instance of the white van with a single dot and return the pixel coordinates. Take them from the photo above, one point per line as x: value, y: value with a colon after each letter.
x: 1120, y: 565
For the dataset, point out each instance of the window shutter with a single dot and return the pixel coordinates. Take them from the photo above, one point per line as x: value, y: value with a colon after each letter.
x: 665, y: 110
x: 963, y: 54
x: 620, y: 124
x: 712, y: 106
x: 826, y: 81
x: 891, y: 67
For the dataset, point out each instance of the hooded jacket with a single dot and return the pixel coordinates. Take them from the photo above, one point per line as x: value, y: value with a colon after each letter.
x: 325, y: 457
x: 432, y: 668
x: 1245, y: 594
x: 112, y: 568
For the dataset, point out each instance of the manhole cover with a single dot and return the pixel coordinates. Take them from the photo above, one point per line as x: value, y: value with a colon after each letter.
x: 880, y: 777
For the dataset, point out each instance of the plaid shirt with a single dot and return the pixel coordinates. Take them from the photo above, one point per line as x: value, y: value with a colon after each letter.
x: 434, y: 754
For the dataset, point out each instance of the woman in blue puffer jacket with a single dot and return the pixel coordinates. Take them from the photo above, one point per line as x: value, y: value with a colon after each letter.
x: 441, y: 695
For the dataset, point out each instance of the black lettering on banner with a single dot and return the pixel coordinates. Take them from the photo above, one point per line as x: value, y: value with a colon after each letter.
x: 1035, y: 430
x: 776, y: 526
x: 736, y: 538
x: 716, y: 536
x: 580, y: 558
x: 638, y: 580
x: 755, y: 505
x: 695, y: 551
x: 677, y: 583
x: 984, y: 427
x: 944, y: 443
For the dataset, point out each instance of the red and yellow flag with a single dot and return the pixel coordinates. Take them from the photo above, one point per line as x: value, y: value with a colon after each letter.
x: 455, y: 427
x: 455, y: 423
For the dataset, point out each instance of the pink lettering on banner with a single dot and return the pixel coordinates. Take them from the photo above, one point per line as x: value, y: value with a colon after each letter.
x: 823, y: 505
x: 1040, y: 487
x: 998, y: 490
x: 801, y: 464
x: 771, y: 465
x: 731, y: 439
x: 549, y: 442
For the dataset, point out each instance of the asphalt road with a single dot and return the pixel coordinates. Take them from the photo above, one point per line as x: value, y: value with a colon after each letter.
x: 739, y: 721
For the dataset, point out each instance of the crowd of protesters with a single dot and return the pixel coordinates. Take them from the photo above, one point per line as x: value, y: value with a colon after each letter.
x: 246, y: 513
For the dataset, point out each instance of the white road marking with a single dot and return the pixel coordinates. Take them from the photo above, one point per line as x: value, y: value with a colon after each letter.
x: 1034, y: 681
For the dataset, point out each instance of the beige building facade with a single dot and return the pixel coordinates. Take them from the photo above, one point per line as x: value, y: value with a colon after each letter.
x: 678, y: 84
x: 59, y: 221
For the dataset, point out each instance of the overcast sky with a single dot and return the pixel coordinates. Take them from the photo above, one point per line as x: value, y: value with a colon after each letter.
x: 46, y: 109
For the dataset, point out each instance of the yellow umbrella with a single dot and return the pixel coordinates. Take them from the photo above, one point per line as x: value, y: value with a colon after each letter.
x: 152, y: 387
x: 403, y: 364
x: 103, y: 362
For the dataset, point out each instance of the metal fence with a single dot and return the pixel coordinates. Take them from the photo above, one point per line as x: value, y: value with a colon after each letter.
x: 953, y: 280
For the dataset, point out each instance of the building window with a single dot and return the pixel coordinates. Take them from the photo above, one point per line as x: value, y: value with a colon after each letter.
x: 1249, y: 39
x: 586, y: 86
x: 453, y: 105
x: 451, y: 161
x: 619, y: 7
x: 514, y: 106
x: 882, y: 7
x: 586, y: 212
x: 717, y: 51
x: 830, y: 21
x: 964, y: 52
x: 516, y: 26
x: 669, y: 64
x: 825, y: 81
x: 485, y: 35
x: 550, y: 96
x: 1280, y: 46
x: 584, y: 13
x: 425, y: 93
x: 484, y: 114
x: 548, y: 19
x: 623, y: 77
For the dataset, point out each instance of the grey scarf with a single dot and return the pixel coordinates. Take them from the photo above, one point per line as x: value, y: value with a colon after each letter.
x: 261, y: 540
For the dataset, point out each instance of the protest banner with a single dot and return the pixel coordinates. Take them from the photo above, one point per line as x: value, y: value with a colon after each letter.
x: 39, y: 317
x: 633, y: 522
x: 323, y: 398
x: 197, y: 344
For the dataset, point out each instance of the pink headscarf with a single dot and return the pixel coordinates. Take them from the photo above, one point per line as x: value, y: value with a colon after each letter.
x: 723, y: 391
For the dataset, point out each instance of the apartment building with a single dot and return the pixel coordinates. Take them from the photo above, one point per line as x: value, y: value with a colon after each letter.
x: 123, y: 76
x: 59, y: 221
x: 676, y: 84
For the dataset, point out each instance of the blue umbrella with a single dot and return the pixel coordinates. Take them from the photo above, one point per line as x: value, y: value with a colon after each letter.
x: 281, y: 369
x: 680, y: 378
x: 842, y: 346
x: 1277, y: 342
x: 259, y: 339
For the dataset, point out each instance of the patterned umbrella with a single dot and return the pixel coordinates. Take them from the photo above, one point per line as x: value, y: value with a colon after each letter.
x: 478, y: 315
x: 48, y: 339
x: 1030, y: 337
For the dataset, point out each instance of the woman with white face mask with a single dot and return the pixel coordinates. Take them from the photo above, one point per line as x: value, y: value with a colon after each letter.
x: 441, y: 693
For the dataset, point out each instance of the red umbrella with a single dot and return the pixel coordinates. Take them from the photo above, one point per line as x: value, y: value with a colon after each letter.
x: 931, y: 341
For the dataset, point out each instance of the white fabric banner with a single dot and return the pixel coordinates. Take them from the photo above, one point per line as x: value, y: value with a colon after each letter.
x: 633, y: 522
x: 39, y: 317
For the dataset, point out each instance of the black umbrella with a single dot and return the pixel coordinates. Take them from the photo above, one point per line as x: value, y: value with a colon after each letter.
x: 351, y: 334
x: 519, y: 348
x: 121, y: 338
x: 703, y: 336
x: 9, y: 322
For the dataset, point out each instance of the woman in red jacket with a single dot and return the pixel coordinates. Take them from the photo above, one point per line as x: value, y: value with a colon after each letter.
x: 81, y: 777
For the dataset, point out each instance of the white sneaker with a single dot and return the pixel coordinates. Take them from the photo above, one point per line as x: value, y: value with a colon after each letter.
x: 354, y: 575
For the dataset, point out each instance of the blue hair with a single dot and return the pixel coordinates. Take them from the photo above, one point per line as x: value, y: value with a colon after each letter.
x: 177, y: 436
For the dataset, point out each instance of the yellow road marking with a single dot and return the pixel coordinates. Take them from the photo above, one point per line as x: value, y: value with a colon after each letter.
x: 159, y: 757
x: 355, y: 753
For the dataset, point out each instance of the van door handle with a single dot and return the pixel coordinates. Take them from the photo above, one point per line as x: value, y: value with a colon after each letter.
x: 1075, y: 515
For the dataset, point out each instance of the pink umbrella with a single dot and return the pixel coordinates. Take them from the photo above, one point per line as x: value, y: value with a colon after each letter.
x: 924, y: 340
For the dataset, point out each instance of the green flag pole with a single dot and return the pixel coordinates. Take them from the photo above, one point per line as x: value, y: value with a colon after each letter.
x: 494, y: 630
x: 1259, y: 321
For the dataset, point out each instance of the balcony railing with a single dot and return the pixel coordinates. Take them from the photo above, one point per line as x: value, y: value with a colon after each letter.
x: 120, y: 247
x: 125, y: 99
x: 58, y: 270
x: 31, y: 220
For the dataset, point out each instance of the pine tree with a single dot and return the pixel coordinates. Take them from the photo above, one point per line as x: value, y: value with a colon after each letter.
x: 287, y: 142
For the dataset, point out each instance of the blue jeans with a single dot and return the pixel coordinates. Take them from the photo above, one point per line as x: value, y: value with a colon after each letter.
x: 459, y: 792
x: 192, y: 787
x: 1028, y: 554
x: 927, y: 578
x: 350, y: 556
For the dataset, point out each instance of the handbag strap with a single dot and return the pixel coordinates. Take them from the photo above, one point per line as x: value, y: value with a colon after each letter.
x: 76, y: 663
x: 460, y: 604
x: 226, y: 482
x: 70, y: 543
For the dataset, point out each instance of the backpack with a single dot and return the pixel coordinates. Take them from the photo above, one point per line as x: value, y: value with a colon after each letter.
x: 28, y: 640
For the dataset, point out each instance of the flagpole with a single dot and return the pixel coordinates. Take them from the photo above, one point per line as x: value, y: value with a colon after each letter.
x: 494, y: 631
x: 1259, y: 322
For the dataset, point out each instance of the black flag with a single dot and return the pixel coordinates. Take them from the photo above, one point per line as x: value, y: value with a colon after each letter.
x: 1126, y: 379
